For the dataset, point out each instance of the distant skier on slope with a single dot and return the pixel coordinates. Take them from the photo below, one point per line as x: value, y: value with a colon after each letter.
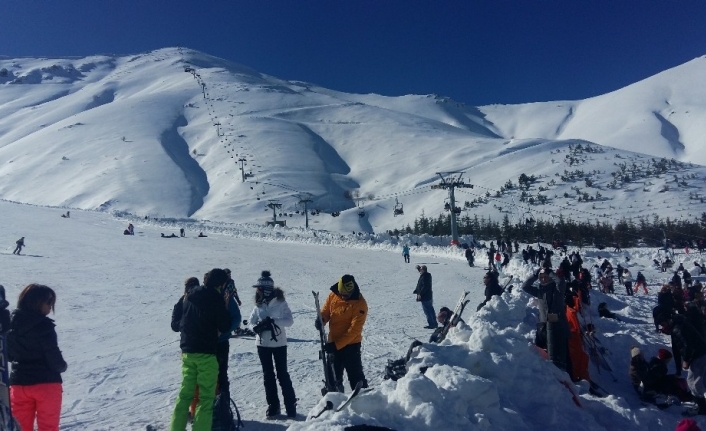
x: 20, y: 243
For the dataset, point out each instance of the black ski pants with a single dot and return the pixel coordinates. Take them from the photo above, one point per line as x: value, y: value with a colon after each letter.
x: 349, y: 358
x: 278, y: 355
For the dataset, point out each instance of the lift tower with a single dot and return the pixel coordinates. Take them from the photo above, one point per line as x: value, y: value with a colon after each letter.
x: 451, y: 181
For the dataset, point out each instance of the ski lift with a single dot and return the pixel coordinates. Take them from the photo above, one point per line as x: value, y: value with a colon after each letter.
x: 528, y: 218
x: 335, y: 213
x: 361, y: 213
x: 398, y: 210
x: 457, y: 210
x: 447, y: 206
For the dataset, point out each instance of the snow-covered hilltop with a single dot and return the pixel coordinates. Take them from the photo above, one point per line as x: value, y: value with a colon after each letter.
x: 160, y: 134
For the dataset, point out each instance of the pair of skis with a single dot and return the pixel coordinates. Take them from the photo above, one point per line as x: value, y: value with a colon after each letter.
x: 455, y: 317
x: 330, y: 382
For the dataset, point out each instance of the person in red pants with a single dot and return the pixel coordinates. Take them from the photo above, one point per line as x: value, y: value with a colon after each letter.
x: 37, y: 363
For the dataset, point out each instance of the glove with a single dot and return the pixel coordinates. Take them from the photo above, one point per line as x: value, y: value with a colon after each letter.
x: 263, y: 326
x: 330, y: 348
x: 317, y: 324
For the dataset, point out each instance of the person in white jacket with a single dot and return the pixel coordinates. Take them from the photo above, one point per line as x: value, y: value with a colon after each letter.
x: 269, y: 319
x: 627, y: 281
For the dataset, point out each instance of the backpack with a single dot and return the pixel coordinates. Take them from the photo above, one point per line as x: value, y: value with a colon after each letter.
x: 223, y: 417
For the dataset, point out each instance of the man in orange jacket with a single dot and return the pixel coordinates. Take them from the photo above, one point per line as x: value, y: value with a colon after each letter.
x: 345, y: 310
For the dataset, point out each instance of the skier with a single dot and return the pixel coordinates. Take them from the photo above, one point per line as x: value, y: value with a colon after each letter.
x: 425, y: 296
x: 552, y: 327
x: 181, y: 232
x: 268, y: 319
x: 204, y: 317
x: 405, y: 253
x: 470, y: 256
x: 20, y: 243
x: 230, y: 287
x: 640, y: 281
x: 37, y: 363
x: 345, y: 310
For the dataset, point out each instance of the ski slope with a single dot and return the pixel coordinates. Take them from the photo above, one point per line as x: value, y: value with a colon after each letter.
x: 115, y: 295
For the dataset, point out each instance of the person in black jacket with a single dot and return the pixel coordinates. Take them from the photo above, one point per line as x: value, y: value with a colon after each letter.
x: 203, y: 319
x: 689, y: 349
x: 37, y: 363
x: 424, y: 295
x: 492, y: 287
x: 552, y: 329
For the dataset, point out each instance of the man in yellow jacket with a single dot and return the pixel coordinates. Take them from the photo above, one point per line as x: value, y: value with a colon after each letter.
x: 345, y: 310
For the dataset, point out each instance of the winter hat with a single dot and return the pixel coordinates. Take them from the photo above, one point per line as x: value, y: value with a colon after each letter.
x: 265, y: 283
x: 687, y: 425
x: 664, y: 354
x: 635, y: 352
x: 346, y: 284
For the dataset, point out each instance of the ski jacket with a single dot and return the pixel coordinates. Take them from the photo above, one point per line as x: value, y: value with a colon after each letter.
x: 235, y: 316
x: 493, y: 288
x: 627, y: 276
x: 688, y: 343
x: 204, y: 318
x: 424, y: 287
x: 33, y: 349
x: 177, y: 312
x: 277, y: 310
x: 550, y: 296
x: 345, y: 317
x: 405, y: 250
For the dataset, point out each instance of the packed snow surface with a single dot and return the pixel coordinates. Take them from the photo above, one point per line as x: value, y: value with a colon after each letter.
x: 115, y: 296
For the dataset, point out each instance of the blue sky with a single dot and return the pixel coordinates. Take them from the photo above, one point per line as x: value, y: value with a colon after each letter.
x: 477, y: 52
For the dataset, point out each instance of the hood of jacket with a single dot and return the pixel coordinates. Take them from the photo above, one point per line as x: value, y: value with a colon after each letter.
x: 24, y: 321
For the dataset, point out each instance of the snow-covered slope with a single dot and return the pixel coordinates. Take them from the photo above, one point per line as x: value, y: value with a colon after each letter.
x: 662, y: 116
x: 115, y: 295
x: 160, y: 134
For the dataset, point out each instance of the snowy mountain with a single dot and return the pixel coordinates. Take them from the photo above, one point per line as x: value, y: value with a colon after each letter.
x: 160, y: 134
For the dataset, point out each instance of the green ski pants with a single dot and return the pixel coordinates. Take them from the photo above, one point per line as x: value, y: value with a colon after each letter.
x: 196, y: 369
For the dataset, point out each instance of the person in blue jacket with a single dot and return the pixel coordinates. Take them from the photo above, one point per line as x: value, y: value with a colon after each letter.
x: 405, y: 253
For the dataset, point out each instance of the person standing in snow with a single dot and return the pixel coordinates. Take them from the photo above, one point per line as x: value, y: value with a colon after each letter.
x: 640, y: 281
x: 37, y: 363
x: 345, y: 310
x: 230, y: 288
x: 204, y: 318
x: 552, y: 329
x: 405, y: 253
x: 627, y: 281
x: 20, y: 243
x: 268, y: 319
x: 470, y: 255
x: 425, y: 296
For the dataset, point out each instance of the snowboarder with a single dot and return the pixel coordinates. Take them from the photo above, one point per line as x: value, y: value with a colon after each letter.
x: 405, y: 253
x: 425, y: 296
x: 20, y: 243
x: 345, y: 311
x: 37, y: 363
x: 181, y: 232
x: 268, y: 319
x: 204, y: 317
x: 131, y: 229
